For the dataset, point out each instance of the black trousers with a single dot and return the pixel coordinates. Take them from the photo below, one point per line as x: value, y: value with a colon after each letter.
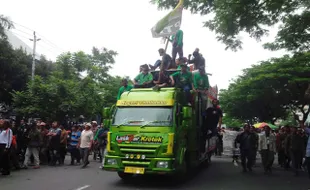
x: 75, y: 155
x: 247, y: 158
x: 281, y: 157
x: 4, y: 159
x: 54, y: 155
x: 62, y: 153
x: 297, y: 156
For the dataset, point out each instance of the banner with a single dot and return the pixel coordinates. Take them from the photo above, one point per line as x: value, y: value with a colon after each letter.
x: 170, y: 24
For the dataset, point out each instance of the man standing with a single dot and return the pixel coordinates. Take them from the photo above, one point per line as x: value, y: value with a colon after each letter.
x: 177, y: 45
x: 198, y: 60
x: 54, y: 143
x: 35, y: 140
x: 267, y: 148
x: 74, y: 140
x: 246, y: 139
x: 6, y: 135
x: 63, y: 144
x: 85, y: 143
x: 124, y: 88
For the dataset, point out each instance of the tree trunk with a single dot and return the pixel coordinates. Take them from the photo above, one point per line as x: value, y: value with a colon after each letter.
x: 307, y: 93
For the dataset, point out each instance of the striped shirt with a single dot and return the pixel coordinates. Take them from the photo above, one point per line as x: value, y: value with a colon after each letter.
x: 308, y: 144
x: 75, y: 136
x: 6, y: 137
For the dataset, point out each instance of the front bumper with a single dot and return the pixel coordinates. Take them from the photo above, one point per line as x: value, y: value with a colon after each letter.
x: 118, y: 164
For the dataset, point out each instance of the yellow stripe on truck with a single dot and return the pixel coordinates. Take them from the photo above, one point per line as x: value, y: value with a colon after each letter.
x: 169, y: 102
x: 170, y: 143
x: 109, y: 142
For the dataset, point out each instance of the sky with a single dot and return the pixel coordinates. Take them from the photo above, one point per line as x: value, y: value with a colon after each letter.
x: 125, y: 26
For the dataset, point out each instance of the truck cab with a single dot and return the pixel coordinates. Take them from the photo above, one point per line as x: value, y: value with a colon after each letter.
x: 155, y: 132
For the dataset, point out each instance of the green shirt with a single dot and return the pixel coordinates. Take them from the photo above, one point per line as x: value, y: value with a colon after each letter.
x: 122, y: 90
x: 184, y: 78
x: 142, y: 78
x: 179, y: 38
x: 201, y: 81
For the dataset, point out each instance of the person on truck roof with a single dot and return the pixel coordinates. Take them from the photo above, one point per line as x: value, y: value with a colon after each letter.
x: 144, y: 79
x: 180, y: 61
x: 166, y: 60
x: 201, y: 85
x: 177, y: 44
x: 161, y: 79
x: 125, y: 87
x: 198, y: 60
x: 183, y: 79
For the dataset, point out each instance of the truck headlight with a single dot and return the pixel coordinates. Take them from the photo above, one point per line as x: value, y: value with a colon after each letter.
x: 111, y: 161
x: 162, y: 164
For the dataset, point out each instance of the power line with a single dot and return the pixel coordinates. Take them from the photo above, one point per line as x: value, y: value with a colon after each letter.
x: 43, y: 38
x: 22, y: 31
x: 23, y: 26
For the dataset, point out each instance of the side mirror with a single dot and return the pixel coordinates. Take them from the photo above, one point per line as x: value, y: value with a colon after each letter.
x: 187, y: 112
x: 107, y: 122
x: 106, y: 113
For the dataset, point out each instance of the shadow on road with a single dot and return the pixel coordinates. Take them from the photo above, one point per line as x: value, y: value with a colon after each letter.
x: 220, y: 175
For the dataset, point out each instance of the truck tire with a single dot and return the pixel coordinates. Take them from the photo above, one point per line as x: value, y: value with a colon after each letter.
x: 125, y: 176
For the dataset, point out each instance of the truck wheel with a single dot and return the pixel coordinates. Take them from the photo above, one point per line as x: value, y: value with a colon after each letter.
x: 124, y: 176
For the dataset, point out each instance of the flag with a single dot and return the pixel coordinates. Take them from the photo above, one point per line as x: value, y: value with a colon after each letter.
x: 170, y: 24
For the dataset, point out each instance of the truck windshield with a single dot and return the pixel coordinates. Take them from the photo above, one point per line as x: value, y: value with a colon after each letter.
x: 143, y: 116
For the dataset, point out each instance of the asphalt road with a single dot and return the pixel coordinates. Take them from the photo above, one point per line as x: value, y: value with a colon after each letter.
x: 221, y: 175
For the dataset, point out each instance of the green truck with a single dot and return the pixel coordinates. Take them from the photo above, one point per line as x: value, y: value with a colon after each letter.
x: 155, y: 132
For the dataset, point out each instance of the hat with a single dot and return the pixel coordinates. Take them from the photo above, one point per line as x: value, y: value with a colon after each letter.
x: 42, y: 124
x: 94, y: 122
x: 88, y: 124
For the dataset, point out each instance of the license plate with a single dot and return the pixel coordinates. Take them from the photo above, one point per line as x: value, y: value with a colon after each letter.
x: 134, y: 170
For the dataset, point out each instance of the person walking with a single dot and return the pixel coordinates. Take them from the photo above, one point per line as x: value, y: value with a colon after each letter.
x: 85, y: 143
x: 267, y: 148
x: 246, y: 139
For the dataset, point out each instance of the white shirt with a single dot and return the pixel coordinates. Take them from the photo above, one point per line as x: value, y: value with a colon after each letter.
x: 6, y: 137
x: 86, y: 139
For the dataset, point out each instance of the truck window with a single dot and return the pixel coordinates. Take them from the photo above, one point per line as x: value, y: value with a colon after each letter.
x: 137, y: 116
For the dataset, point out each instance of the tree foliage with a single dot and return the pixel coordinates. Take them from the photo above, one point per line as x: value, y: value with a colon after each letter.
x: 231, y: 17
x: 5, y: 24
x: 78, y: 84
x: 268, y: 90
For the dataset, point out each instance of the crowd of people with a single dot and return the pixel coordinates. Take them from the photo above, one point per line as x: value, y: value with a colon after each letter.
x: 39, y: 143
x: 292, y: 145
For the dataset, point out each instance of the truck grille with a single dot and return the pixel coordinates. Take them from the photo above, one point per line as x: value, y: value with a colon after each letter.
x: 135, y: 153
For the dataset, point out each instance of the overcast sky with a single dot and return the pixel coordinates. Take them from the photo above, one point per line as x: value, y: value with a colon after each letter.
x: 124, y: 26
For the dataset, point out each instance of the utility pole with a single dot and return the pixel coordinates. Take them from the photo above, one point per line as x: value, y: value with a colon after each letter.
x: 35, y: 39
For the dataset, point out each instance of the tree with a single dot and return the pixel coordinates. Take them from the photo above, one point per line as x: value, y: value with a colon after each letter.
x: 77, y: 84
x: 14, y: 70
x: 268, y: 90
x: 232, y: 122
x: 231, y: 17
x: 5, y: 24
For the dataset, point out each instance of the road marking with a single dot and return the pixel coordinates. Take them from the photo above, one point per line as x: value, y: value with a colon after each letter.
x: 83, y: 187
